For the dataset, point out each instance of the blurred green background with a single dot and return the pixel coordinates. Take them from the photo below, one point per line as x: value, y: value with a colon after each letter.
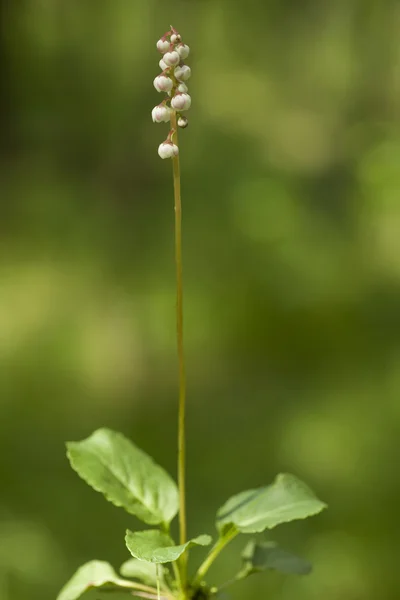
x: 291, y: 197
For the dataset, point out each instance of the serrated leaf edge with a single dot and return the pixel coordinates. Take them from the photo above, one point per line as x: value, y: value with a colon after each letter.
x: 70, y: 446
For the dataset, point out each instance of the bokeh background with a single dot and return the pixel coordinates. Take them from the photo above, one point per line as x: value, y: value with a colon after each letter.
x: 291, y: 198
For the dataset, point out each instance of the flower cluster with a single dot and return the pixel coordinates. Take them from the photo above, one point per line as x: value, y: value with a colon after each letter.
x: 171, y: 81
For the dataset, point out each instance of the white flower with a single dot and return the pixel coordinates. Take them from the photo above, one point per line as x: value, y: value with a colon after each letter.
x: 163, y: 46
x: 168, y: 150
x: 163, y: 83
x: 183, y: 51
x: 182, y: 73
x: 183, y: 122
x: 171, y: 58
x: 161, y: 114
x: 181, y: 101
x: 171, y: 82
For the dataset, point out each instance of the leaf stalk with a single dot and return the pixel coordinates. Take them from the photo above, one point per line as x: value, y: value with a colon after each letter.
x: 214, y: 552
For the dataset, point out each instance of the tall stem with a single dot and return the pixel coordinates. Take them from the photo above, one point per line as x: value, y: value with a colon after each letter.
x: 181, y: 357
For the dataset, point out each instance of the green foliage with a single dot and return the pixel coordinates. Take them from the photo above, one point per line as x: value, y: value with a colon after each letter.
x: 93, y: 574
x: 129, y: 478
x: 261, y: 556
x: 126, y: 475
x: 143, y: 571
x: 157, y: 547
x: 253, y: 511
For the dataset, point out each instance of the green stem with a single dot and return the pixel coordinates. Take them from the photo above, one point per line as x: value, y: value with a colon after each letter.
x: 141, y: 587
x: 177, y: 574
x: 223, y: 586
x: 158, y: 581
x: 133, y: 585
x: 212, y: 555
x: 181, y: 357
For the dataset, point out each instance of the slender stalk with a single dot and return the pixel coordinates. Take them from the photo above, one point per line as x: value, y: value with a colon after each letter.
x: 135, y: 586
x: 181, y: 356
x: 139, y: 586
x: 212, y: 555
x: 177, y: 574
x: 223, y: 586
x: 158, y: 581
x: 146, y: 595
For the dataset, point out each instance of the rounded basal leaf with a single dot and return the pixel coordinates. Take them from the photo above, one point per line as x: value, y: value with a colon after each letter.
x: 261, y: 556
x: 145, y: 572
x: 157, y: 547
x: 287, y: 499
x: 93, y: 574
x: 126, y: 475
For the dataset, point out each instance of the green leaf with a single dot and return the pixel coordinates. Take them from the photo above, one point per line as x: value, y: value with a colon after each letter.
x: 143, y: 571
x: 261, y: 556
x: 253, y: 511
x: 126, y: 475
x: 157, y: 547
x: 93, y: 574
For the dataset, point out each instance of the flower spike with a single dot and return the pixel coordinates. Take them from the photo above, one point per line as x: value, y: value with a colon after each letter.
x: 171, y: 82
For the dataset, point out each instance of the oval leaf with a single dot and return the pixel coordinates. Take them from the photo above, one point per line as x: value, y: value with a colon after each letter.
x: 93, y: 574
x: 157, y: 547
x: 145, y: 572
x: 260, y: 556
x: 126, y: 475
x: 253, y: 511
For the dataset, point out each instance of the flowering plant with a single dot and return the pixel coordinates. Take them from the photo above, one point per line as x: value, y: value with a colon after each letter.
x: 129, y: 478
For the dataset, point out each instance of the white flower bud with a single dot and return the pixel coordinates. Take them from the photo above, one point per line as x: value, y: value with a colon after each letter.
x: 167, y: 150
x: 183, y: 122
x: 163, y: 83
x: 161, y: 114
x: 163, y: 46
x: 182, y: 73
x: 175, y: 38
x: 163, y: 65
x: 182, y: 87
x: 171, y: 58
x: 183, y: 51
x: 181, y: 102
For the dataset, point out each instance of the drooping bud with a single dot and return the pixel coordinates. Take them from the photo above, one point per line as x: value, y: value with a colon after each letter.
x: 183, y: 122
x: 163, y: 65
x: 168, y: 150
x: 181, y: 101
x: 182, y: 73
x: 175, y: 38
x: 171, y: 58
x: 182, y: 87
x: 183, y: 51
x: 163, y: 46
x: 161, y: 114
x: 163, y: 83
